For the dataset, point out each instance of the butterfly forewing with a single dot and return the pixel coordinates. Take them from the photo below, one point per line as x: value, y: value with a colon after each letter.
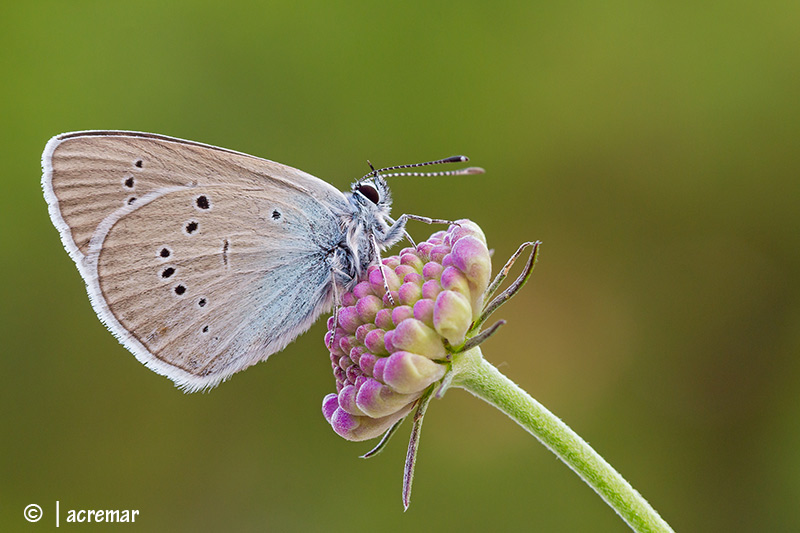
x: 217, y: 264
x: 90, y: 175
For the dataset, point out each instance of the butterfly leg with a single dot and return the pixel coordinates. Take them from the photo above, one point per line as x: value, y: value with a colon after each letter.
x: 406, y: 234
x: 398, y: 227
x: 426, y: 220
x: 337, y: 303
x: 377, y: 251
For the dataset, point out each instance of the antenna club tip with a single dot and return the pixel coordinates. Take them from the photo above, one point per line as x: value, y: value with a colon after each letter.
x: 457, y: 159
x: 474, y: 170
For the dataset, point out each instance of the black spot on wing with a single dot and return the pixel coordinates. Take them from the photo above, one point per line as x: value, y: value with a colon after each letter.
x: 202, y: 202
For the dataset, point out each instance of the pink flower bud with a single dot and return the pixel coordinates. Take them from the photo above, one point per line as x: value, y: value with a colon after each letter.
x: 414, y: 336
x: 408, y: 373
x: 452, y: 316
x: 374, y: 342
x: 367, y: 307
x: 358, y: 428
x: 386, y: 354
x: 377, y: 400
x: 423, y: 311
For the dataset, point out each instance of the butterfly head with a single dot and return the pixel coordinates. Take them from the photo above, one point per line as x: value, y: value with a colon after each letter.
x: 373, y: 191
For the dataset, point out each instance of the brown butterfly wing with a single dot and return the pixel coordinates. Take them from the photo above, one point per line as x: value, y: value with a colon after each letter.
x: 218, y: 262
x: 89, y: 175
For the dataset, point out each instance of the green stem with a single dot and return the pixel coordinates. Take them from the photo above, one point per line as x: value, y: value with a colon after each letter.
x: 476, y: 375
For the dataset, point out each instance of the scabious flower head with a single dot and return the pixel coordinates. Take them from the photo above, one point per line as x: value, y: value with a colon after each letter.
x: 385, y: 356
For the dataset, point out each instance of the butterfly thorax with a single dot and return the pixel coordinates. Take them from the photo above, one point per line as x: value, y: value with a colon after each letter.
x: 364, y: 229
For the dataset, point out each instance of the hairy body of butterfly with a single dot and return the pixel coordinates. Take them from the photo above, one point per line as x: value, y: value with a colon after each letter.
x: 203, y: 261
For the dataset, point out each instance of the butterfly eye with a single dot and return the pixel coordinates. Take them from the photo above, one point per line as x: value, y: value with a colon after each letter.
x: 370, y: 192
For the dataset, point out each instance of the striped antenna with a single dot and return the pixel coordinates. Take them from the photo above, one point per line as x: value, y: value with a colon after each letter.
x: 459, y: 172
x: 453, y: 159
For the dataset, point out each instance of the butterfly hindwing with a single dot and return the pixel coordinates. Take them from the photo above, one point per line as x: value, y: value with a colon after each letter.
x: 199, y: 293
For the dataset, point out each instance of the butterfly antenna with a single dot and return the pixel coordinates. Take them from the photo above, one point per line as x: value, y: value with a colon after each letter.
x: 453, y: 159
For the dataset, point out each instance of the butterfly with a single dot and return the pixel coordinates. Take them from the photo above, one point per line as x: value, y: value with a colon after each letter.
x: 203, y: 261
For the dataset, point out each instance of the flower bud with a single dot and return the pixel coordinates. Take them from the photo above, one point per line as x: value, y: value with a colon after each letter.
x: 452, y: 316
x: 407, y: 372
x: 385, y: 356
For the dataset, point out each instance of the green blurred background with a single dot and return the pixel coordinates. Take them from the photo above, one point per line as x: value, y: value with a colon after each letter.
x: 652, y: 147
